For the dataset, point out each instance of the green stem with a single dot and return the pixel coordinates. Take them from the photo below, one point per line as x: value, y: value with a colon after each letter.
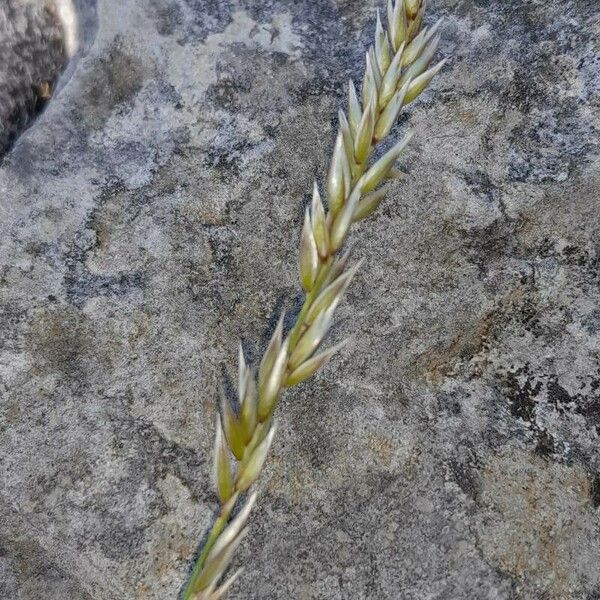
x: 190, y: 591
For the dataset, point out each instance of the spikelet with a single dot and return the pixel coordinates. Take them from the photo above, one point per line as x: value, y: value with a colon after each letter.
x: 368, y: 205
x: 222, y: 466
x: 272, y: 386
x: 331, y: 294
x: 269, y: 357
x: 354, y: 109
x: 319, y: 224
x: 309, y: 255
x: 341, y: 224
x: 364, y: 134
x: 232, y: 428
x: 335, y: 179
x: 389, y: 116
x: 382, y: 46
x: 250, y: 469
x: 310, y: 366
x: 376, y: 174
x: 390, y: 80
x: 421, y: 64
x: 248, y: 406
x: 418, y: 84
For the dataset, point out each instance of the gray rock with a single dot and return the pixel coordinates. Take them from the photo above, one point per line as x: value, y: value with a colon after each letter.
x: 150, y: 217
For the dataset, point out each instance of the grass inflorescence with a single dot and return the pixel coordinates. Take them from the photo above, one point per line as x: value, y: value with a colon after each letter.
x: 397, y: 71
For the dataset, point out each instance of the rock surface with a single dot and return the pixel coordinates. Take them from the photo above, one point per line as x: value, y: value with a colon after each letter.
x: 149, y: 218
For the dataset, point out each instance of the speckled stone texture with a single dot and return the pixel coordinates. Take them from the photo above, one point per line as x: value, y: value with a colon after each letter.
x: 150, y: 217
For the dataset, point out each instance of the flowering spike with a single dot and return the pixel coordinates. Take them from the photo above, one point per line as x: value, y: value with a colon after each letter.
x: 386, y: 89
